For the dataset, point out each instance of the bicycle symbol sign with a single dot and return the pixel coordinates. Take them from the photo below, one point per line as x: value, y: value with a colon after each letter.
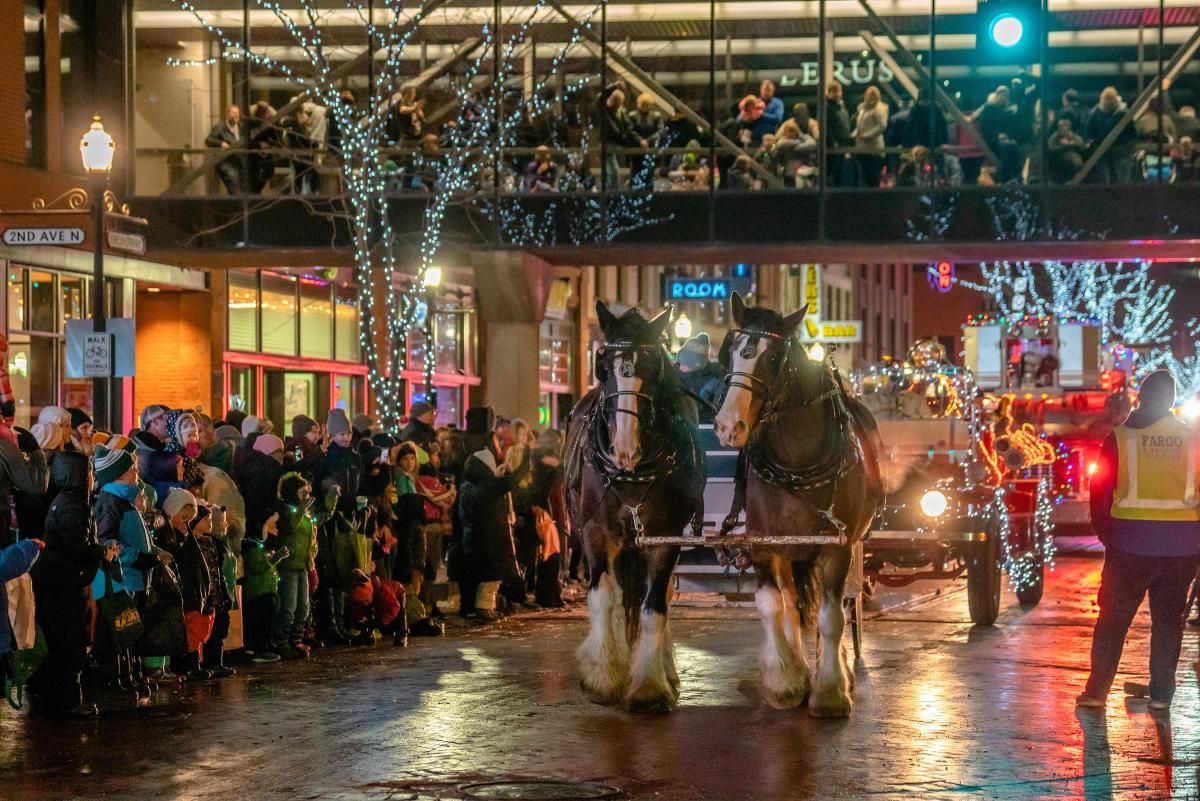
x: 97, y: 355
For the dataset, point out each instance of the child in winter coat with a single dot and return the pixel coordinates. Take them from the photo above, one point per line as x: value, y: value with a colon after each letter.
x: 60, y: 580
x: 208, y: 529
x: 195, y: 579
x: 119, y: 522
x: 375, y: 604
x: 297, y: 526
x: 260, y: 590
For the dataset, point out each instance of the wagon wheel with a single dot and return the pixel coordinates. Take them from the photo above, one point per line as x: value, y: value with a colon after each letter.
x: 983, y: 577
x: 854, y: 608
x: 1031, y: 594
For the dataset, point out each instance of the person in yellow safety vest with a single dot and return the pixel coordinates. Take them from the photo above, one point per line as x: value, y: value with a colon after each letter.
x: 1146, y: 511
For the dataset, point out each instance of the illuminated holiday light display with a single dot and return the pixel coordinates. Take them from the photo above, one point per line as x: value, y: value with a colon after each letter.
x: 464, y: 169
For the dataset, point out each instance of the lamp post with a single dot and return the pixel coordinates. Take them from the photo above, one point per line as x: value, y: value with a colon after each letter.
x: 97, y: 149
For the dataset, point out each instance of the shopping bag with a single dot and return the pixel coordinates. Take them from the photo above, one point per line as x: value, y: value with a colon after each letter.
x: 21, y: 610
x: 20, y: 667
x: 121, y: 615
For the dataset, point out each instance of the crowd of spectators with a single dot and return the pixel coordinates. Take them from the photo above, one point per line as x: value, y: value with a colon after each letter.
x: 134, y: 563
x: 761, y: 144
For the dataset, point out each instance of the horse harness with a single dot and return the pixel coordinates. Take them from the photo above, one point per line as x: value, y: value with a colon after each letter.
x: 624, y: 484
x: 841, y: 453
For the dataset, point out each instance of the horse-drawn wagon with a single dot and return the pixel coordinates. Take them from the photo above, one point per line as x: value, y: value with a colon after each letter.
x: 966, y: 490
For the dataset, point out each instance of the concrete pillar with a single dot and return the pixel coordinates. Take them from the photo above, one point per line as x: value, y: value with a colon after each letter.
x: 513, y: 288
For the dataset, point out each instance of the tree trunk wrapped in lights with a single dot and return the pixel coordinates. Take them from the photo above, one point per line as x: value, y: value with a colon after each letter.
x: 460, y: 171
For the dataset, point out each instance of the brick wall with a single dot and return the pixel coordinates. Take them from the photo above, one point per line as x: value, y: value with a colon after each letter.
x: 174, y: 360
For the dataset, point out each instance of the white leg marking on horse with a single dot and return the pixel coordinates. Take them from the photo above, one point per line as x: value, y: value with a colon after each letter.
x: 651, y: 685
x: 831, y: 697
x: 784, y: 669
x: 604, y: 655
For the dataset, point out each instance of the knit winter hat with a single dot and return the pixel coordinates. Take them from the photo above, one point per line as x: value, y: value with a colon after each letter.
x: 302, y: 424
x: 1157, y: 390
x: 480, y: 420
x: 79, y: 417
x: 268, y: 444
x: 694, y: 353
x: 337, y: 423
x: 419, y: 409
x: 177, y: 499
x: 250, y: 425
x: 225, y: 433
x: 362, y: 422
x: 49, y: 436
x: 112, y: 459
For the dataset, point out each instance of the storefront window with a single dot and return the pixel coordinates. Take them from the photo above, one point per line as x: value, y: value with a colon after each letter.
x: 447, y: 339
x: 33, y: 371
x: 346, y: 326
x: 16, y: 298
x: 316, y: 319
x: 42, y: 315
x: 348, y: 393
x: 74, y: 299
x: 243, y: 311
x: 290, y: 393
x: 279, y: 314
x: 243, y: 394
x: 554, y: 355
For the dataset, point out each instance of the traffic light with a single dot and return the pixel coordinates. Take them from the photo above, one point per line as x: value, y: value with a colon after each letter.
x: 1008, y: 31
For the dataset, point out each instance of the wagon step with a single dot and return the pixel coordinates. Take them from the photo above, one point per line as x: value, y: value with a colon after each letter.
x: 734, y: 540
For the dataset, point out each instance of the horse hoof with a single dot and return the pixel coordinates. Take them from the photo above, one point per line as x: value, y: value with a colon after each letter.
x: 785, y: 700
x: 605, y: 696
x: 830, y: 707
x: 651, y: 702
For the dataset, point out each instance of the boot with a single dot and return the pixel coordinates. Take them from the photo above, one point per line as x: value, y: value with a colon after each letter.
x: 485, y: 601
x: 426, y: 628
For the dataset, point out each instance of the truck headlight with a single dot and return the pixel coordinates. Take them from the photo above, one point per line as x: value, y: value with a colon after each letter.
x: 934, y: 503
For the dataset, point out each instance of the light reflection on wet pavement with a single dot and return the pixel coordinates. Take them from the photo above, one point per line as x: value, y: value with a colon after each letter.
x: 943, y: 711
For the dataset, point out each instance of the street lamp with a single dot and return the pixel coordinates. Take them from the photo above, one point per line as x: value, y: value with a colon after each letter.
x: 683, y: 326
x: 97, y: 149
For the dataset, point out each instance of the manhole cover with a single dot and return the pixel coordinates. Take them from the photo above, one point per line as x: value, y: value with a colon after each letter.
x: 539, y: 790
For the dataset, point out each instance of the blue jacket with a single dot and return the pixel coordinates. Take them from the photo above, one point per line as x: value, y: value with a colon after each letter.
x: 118, y: 521
x: 15, y: 560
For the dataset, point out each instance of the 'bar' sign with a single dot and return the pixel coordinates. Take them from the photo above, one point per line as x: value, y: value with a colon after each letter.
x: 43, y: 236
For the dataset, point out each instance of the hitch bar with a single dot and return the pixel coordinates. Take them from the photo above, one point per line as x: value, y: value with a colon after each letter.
x: 733, y: 540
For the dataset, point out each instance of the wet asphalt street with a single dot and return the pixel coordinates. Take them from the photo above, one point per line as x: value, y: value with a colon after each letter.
x: 943, y: 711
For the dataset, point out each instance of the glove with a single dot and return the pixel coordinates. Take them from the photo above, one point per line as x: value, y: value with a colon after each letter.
x: 8, y: 410
x: 26, y: 441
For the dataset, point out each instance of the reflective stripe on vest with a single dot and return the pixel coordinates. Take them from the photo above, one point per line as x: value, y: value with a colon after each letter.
x: 1156, y: 472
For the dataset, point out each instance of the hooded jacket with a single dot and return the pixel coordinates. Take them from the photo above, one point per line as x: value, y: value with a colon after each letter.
x: 118, y: 521
x: 297, y: 529
x: 257, y: 480
x: 195, y: 578
x: 72, y: 552
x: 486, y: 531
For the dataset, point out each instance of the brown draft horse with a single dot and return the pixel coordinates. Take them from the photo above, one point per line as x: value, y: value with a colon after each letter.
x: 811, y: 457
x: 634, y: 465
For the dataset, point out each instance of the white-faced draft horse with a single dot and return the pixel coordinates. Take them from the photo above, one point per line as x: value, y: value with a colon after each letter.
x: 634, y: 466
x: 809, y: 467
